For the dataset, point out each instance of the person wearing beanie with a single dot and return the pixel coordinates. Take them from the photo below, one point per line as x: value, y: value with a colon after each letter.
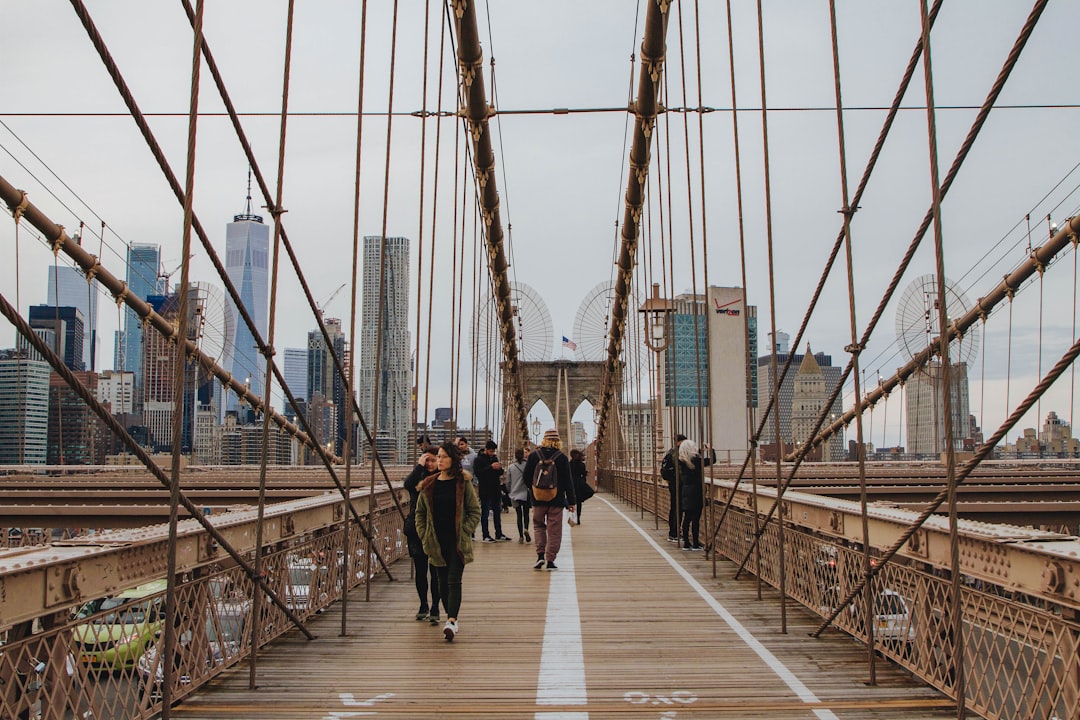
x: 547, y: 515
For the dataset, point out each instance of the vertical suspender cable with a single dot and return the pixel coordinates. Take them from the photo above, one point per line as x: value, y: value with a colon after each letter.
x: 772, y: 310
x: 347, y: 544
x: 381, y: 316
x: 169, y: 654
x: 276, y: 211
x: 434, y: 215
x: 416, y: 415
x: 753, y: 436
x: 945, y: 375
x: 854, y: 348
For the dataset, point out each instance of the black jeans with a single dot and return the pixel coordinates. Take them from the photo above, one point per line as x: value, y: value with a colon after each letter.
x: 493, y: 506
x: 523, y: 517
x: 422, y: 570
x: 691, y: 523
x: 672, y: 516
x: 450, y: 584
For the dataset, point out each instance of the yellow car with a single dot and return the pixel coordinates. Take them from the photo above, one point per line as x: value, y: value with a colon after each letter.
x: 118, y: 629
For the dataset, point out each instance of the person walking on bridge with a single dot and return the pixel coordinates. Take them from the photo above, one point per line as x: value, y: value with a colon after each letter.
x: 549, y: 502
x: 447, y: 513
x: 519, y: 495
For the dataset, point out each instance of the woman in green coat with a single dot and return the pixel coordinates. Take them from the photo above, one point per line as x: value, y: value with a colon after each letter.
x: 447, y: 512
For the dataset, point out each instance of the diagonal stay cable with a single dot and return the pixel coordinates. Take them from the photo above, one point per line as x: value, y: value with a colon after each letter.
x: 962, y: 474
x: 93, y: 269
x: 307, y: 437
x: 946, y: 184
x: 134, y: 448
x: 249, y: 153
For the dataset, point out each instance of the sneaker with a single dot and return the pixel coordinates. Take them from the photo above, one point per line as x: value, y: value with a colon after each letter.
x: 528, y: 538
x: 489, y: 540
x: 697, y: 548
x: 539, y: 564
x: 521, y: 541
x: 433, y: 617
x: 502, y: 538
x: 552, y: 566
x: 673, y: 538
x: 450, y: 630
x: 686, y: 547
x: 422, y: 613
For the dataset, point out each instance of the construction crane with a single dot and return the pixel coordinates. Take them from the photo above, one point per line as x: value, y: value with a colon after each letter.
x: 330, y: 298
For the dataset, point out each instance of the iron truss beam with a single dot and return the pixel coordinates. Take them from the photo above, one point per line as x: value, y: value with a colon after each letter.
x: 1038, y: 563
x: 45, y: 579
x: 645, y: 109
x: 476, y: 112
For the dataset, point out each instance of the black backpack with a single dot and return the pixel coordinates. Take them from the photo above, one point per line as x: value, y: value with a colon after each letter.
x: 545, y: 481
x: 667, y: 467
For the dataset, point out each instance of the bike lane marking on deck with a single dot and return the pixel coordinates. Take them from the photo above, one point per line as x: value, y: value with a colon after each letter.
x: 774, y: 663
x: 562, y: 661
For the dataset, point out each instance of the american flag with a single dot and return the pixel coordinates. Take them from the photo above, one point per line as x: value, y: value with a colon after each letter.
x: 568, y: 343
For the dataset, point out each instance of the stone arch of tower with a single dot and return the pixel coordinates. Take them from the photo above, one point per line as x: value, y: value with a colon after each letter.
x: 558, y: 382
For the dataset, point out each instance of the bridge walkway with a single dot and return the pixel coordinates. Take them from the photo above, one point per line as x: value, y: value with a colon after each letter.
x: 629, y: 626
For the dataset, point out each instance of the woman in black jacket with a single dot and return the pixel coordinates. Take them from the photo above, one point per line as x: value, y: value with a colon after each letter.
x: 425, y: 466
x: 582, y: 490
x: 691, y: 499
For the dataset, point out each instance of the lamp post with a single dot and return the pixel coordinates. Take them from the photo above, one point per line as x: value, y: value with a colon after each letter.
x: 536, y: 430
x: 657, y: 311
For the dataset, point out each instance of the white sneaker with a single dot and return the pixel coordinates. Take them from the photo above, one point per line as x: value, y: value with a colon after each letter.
x: 450, y: 630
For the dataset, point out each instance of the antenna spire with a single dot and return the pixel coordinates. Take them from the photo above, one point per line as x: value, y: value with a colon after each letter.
x: 248, y: 210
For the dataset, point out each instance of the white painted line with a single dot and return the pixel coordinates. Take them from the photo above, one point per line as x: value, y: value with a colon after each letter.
x: 562, y: 661
x: 801, y: 691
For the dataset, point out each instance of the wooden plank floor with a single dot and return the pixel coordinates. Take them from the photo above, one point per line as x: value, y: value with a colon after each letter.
x: 659, y: 637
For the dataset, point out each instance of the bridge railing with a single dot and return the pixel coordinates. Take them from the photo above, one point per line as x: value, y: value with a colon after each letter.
x: 99, y: 658
x: 1021, y: 640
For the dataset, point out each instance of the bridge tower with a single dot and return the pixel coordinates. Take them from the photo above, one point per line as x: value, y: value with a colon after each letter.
x: 564, y: 384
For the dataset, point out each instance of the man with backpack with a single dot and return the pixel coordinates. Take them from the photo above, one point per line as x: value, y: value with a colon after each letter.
x: 547, y: 473
x: 669, y: 470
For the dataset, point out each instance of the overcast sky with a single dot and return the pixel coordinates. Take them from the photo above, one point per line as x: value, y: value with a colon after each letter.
x: 562, y: 176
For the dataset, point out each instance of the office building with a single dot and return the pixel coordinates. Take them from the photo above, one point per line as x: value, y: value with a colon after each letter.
x: 731, y: 377
x: 386, y: 278
x: 247, y: 261
x: 66, y: 324
x: 116, y: 388
x: 810, y: 393
x: 68, y: 287
x: 295, y: 371
x: 325, y: 395
x: 143, y: 265
x: 785, y: 402
x: 77, y: 436
x: 24, y: 409
x: 925, y: 409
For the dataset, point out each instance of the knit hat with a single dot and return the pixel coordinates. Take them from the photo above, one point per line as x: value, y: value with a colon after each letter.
x: 490, y: 445
x: 551, y: 438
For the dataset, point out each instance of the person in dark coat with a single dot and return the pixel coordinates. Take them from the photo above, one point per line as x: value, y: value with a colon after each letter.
x: 489, y: 471
x: 425, y: 466
x: 547, y: 515
x: 691, y: 499
x: 669, y: 472
x: 447, y: 513
x: 582, y: 490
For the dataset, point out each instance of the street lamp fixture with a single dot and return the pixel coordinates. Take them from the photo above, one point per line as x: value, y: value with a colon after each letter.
x: 657, y: 310
x: 536, y: 430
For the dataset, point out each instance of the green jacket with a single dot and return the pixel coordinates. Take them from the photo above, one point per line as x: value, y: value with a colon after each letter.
x: 468, y: 517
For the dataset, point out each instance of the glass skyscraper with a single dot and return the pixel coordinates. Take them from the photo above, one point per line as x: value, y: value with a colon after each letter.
x: 395, y: 376
x: 143, y: 263
x: 68, y: 286
x: 247, y: 256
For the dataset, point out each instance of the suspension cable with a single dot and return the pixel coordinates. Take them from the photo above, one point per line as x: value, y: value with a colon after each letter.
x: 178, y: 382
